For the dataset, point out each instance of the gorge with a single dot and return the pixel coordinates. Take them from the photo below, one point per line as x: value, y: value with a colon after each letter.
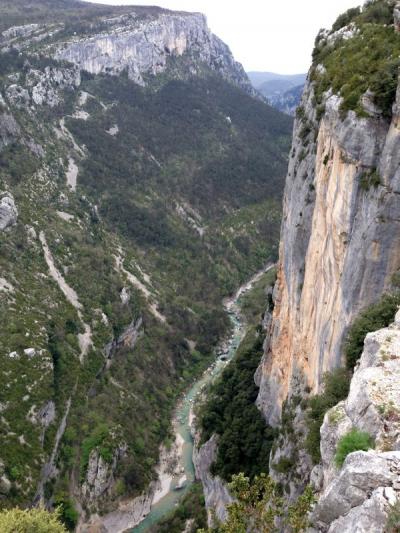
x: 141, y: 182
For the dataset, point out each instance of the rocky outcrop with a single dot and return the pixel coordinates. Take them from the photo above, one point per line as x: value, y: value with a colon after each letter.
x: 43, y: 87
x: 5, y: 483
x: 361, y: 492
x: 9, y: 129
x: 367, y: 484
x: 216, y: 495
x: 332, y: 222
x: 144, y: 47
x: 100, y: 474
x: 128, y: 515
x: 8, y: 211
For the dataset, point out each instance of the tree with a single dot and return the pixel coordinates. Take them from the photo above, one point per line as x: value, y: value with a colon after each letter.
x: 258, y: 507
x: 30, y: 521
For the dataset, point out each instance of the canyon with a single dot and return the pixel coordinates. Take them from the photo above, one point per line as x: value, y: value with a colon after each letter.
x: 141, y: 182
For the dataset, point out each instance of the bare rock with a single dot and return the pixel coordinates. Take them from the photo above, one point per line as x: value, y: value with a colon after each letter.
x: 8, y: 211
x: 362, y: 473
x: 145, y: 47
x: 216, y: 494
x: 9, y: 129
x: 370, y: 516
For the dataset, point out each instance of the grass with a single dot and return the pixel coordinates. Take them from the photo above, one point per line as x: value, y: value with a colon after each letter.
x: 351, y: 442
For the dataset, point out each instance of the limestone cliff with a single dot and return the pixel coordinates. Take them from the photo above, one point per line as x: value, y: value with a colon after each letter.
x: 340, y: 234
x: 146, y: 46
x: 358, y: 496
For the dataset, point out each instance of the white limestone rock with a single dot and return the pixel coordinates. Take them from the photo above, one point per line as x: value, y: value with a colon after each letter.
x: 361, y: 474
x: 19, y: 31
x: 370, y: 516
x: 8, y: 211
x: 144, y: 47
x: 216, y: 494
x: 45, y: 85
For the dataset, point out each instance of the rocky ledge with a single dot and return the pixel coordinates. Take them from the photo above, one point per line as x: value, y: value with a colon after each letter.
x: 358, y: 496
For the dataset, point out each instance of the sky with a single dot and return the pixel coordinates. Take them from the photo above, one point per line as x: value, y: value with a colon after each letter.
x: 264, y: 35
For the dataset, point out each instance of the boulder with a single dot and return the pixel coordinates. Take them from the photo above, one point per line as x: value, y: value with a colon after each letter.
x: 361, y: 474
x: 8, y: 211
x: 368, y: 517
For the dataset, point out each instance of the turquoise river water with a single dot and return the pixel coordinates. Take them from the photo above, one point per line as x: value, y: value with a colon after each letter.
x: 183, y: 412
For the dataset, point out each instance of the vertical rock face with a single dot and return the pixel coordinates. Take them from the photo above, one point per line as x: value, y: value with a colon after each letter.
x: 216, y: 494
x: 144, y: 47
x: 340, y: 241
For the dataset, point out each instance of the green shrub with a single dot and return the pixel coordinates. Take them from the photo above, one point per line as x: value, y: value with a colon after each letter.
x: 369, y: 60
x: 68, y: 514
x: 370, y: 179
x: 346, y: 18
x: 377, y: 316
x: 99, y: 438
x: 284, y: 465
x: 258, y: 505
x: 30, y: 521
x: 336, y: 388
x: 244, y: 440
x: 393, y: 520
x: 351, y: 442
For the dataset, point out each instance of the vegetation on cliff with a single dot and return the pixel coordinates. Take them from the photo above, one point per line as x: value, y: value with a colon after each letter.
x: 30, y: 521
x: 259, y: 507
x: 244, y: 440
x: 377, y: 316
x: 335, y: 388
x: 366, y: 60
x: 353, y: 441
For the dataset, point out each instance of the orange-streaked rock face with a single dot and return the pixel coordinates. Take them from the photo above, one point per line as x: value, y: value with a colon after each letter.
x: 340, y: 244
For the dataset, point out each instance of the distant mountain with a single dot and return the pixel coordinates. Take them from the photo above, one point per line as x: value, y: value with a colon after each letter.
x: 260, y: 78
x: 283, y: 91
x: 288, y: 101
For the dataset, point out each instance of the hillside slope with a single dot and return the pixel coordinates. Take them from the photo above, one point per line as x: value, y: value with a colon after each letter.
x: 134, y: 197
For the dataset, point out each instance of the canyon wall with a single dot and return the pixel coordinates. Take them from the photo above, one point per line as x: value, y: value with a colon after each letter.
x: 339, y: 242
x: 146, y: 46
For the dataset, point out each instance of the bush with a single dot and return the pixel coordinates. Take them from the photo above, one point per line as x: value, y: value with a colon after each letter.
x: 30, y: 521
x: 375, y: 317
x: 245, y: 440
x: 370, y: 179
x: 336, y: 388
x: 258, y: 505
x: 351, y: 442
x: 345, y: 18
x: 369, y: 60
x: 393, y: 521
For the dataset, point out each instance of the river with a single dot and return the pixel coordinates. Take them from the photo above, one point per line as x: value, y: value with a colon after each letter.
x: 183, y: 414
